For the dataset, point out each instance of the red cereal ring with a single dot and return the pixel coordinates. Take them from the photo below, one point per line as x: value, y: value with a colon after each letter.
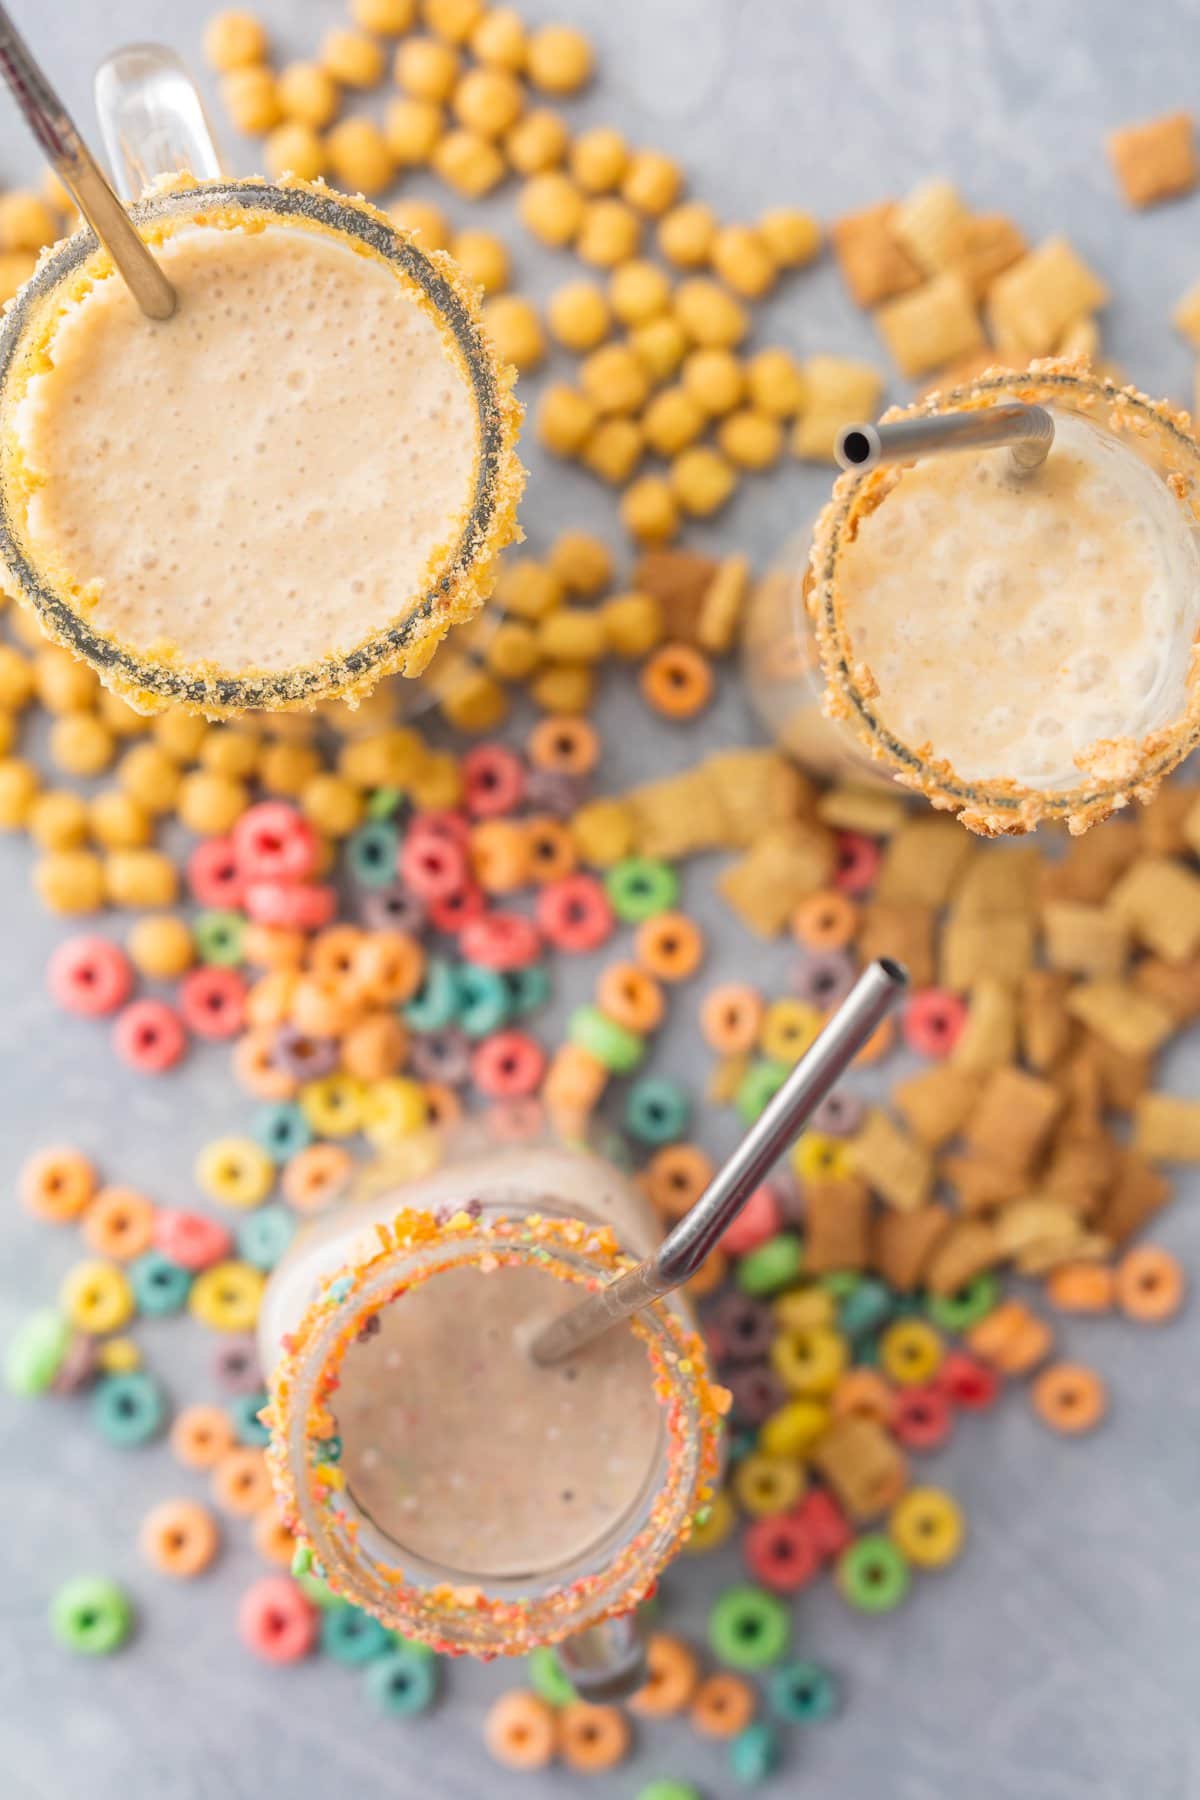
x: 858, y: 860
x: 276, y: 1621
x: 780, y: 1553
x: 441, y: 822
x: 275, y: 842
x: 760, y: 1219
x: 501, y: 940
x: 827, y: 1524
x: 921, y: 1417
x: 493, y: 781
x: 295, y: 907
x: 213, y: 1002
x: 149, y: 1036
x: 432, y: 864
x: 508, y: 1065
x: 190, y: 1239
x: 451, y: 913
x: 933, y: 1021
x: 214, y: 875
x: 574, y: 913
x: 89, y: 976
x: 967, y: 1383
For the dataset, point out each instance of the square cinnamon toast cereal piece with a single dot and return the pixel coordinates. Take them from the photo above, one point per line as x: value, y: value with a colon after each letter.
x: 936, y: 1103
x: 903, y: 1242
x: 1120, y: 1016
x: 785, y: 864
x: 1123, y: 1075
x: 753, y: 789
x: 1159, y: 900
x: 1081, y: 338
x: 1137, y: 1194
x: 1085, y: 940
x: 1156, y: 160
x: 1163, y: 819
x: 902, y: 933
x: 1032, y: 304
x: 981, y: 1186
x: 848, y: 807
x: 1092, y: 863
x: 1001, y: 947
x: 722, y: 606
x: 1013, y: 1119
x: 999, y: 879
x: 837, y: 1225
x: 1044, y: 1026
x: 677, y: 816
x: 678, y: 580
x: 874, y: 264
x: 991, y: 245
x: 1175, y: 985
x: 930, y: 327
x: 861, y: 1462
x: 1080, y: 1172
x: 892, y: 1164
x: 932, y: 224
x: 923, y: 862
x: 1167, y: 1128
x: 840, y: 392
x: 968, y: 1249
x: 989, y: 1037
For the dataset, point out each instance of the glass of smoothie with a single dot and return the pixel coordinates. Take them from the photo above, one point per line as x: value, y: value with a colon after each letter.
x: 291, y: 488
x: 1016, y: 647
x: 466, y: 1496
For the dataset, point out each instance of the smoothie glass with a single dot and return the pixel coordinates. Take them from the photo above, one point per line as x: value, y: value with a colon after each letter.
x: 154, y: 128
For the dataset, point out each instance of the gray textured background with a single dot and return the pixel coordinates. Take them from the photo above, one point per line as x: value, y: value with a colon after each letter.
x: 1057, y: 1659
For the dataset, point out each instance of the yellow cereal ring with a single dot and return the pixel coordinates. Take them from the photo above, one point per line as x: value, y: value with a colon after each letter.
x: 227, y: 1296
x: 97, y: 1298
x: 910, y: 1352
x: 334, y: 1106
x: 235, y: 1171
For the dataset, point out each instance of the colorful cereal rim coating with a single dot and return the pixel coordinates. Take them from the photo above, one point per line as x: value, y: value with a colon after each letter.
x: 152, y: 682
x: 461, y: 1618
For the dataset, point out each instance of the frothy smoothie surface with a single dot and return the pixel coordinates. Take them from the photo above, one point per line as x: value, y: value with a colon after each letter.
x: 1014, y: 624
x: 275, y: 473
x: 463, y: 1451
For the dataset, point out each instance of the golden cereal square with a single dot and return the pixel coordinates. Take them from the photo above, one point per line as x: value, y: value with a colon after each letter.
x: 1085, y: 940
x: 874, y: 265
x: 1033, y: 303
x: 785, y: 864
x: 932, y: 225
x: 841, y: 386
x: 1167, y: 1129
x: 923, y: 862
x: 1128, y: 1021
x: 932, y: 326
x: 1158, y: 898
x: 992, y: 244
x: 1155, y: 161
x: 892, y: 1164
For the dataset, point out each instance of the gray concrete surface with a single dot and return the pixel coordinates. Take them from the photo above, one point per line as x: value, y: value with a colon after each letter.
x: 1057, y: 1660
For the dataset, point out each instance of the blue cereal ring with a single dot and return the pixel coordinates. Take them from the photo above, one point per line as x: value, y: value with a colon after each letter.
x: 160, y: 1286
x: 350, y: 1635
x: 243, y: 1412
x: 129, y: 1410
x: 262, y: 1237
x: 400, y: 1683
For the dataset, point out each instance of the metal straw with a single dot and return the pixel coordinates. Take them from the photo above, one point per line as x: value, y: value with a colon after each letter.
x: 74, y: 163
x: 681, y: 1253
x: 1027, y: 431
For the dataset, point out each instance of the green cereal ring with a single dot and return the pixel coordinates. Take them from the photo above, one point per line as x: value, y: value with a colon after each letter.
x: 129, y: 1410
x: 371, y: 853
x: 753, y: 1753
x: 749, y: 1628
x: 639, y: 887
x: 401, y: 1684
x: 527, y: 989
x: 548, y: 1679
x: 35, y: 1355
x: 435, y: 1002
x: 758, y: 1087
x: 619, y: 1050
x: 972, y: 1302
x: 160, y: 1286
x: 657, y: 1111
x: 803, y: 1692
x: 668, y: 1790
x: 483, y: 999
x: 352, y: 1636
x: 872, y: 1574
x: 313, y: 1588
x: 219, y: 937
x: 775, y: 1265
x: 91, y: 1616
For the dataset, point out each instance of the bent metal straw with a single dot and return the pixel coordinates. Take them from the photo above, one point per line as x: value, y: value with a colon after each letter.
x: 1027, y: 431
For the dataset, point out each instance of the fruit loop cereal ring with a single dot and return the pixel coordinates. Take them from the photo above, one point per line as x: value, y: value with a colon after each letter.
x: 219, y: 937
x: 1149, y: 1285
x: 1081, y: 1287
x: 591, y: 1738
x: 574, y: 913
x: 304, y: 1056
x: 639, y: 887
x: 235, y: 1365
x: 180, y: 1538
x: 432, y: 865
x: 766, y: 1485
x: 921, y: 1418
x: 403, y: 1682
x: 282, y: 1130
x: 272, y: 1539
x: 481, y: 1000
x: 508, y: 1065
x: 333, y: 954
x: 863, y: 1394
x: 189, y: 1239
x: 449, y: 914
x: 753, y: 1754
x: 502, y: 941
x: 910, y: 1352
x: 391, y: 909
x: 56, y: 1185
x: 201, y: 1436
x: 275, y: 1621
x: 824, y: 977
x: 959, y: 1311
x: 235, y: 1171
x: 528, y: 990
x: 521, y: 1731
x: 565, y: 744
x: 1069, y: 1398
x: 248, y: 1428
x: 803, y: 1693
x: 293, y: 908
x: 351, y: 1636
x: 319, y: 1174
x: 241, y: 1485
x: 333, y: 1106
x: 825, y: 1521
x: 149, y: 1036
x: 657, y: 1110
x: 128, y: 1410
x: 392, y: 1110
x: 212, y: 1002
x: 967, y: 1383
x: 676, y: 1177
x: 928, y: 1526
x: 672, y: 1673
x: 723, y: 1706
x: 97, y: 1298
x: 809, y: 1361
x: 838, y: 1115
x: 630, y: 997
x: 788, y: 1028
x: 820, y: 1158
x: 669, y: 946
x: 858, y: 860
x: 677, y: 681
x: 731, y: 1019
x: 493, y: 781
x: 91, y: 1616
x: 933, y: 1022
x: 872, y: 1574
x: 275, y: 842
x: 825, y: 921
x: 780, y: 1554
x: 160, y: 1287
x: 227, y: 1296
x: 604, y: 1041
x: 119, y: 1223
x: 214, y: 875
x: 371, y: 853
x: 255, y: 1068
x: 263, y: 1236
x: 500, y: 855
x: 89, y: 976
x: 749, y: 1629
x: 772, y: 1266
x: 441, y: 1056
x: 435, y: 1002
x: 759, y: 1220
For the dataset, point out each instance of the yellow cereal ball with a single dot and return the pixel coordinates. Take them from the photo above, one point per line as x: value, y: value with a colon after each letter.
x: 652, y: 182
x: 58, y: 820
x: 792, y: 237
x: 81, y: 744
x: 425, y: 220
x: 294, y: 149
x: 179, y: 734
x: 488, y: 101
x: 572, y: 635
x: 672, y: 421
x: 232, y: 39
x: 19, y: 785
x: 230, y: 750
x: 610, y: 233
x: 70, y: 881
x: 564, y: 688
x: 387, y: 18
x: 16, y: 679
x: 475, y: 703
x: 64, y: 684
x: 512, y: 323
x: 639, y: 292
x: 715, y: 379
x: 751, y: 439
x: 552, y: 208
x: 8, y: 732
x: 614, y: 379
x: 287, y: 768
x: 582, y: 561
x: 308, y: 93
x: 512, y: 651
x: 151, y: 777
x: 775, y: 383
x: 536, y: 143
x: 426, y: 68
x: 742, y: 260
x: 118, y: 822
x: 686, y: 234
x: 359, y: 156
x: 411, y: 129
x: 660, y: 346
x: 483, y: 258
x: 469, y: 163
x: 16, y: 266
x: 648, y: 510
x: 559, y: 59
x: 499, y: 39
x: 140, y: 878
x: 598, y: 159
x: 352, y: 57
x: 26, y: 222
x: 578, y: 316
x: 633, y: 625
x: 210, y: 805
x: 614, y: 450
x: 160, y: 947
x: 120, y: 717
x: 702, y: 480
x: 333, y: 805
x: 453, y: 20
x: 711, y: 317
x: 528, y: 588
x: 251, y: 98
x: 565, y: 418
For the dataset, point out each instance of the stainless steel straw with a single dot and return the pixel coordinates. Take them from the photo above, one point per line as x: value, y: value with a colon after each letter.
x: 74, y: 163
x: 681, y: 1253
x: 1027, y: 431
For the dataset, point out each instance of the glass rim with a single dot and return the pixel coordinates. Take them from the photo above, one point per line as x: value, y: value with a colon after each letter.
x: 995, y: 807
x: 459, y: 586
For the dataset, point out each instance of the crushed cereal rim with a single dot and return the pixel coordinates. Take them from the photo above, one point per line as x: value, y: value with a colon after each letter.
x: 448, y: 1611
x: 1004, y: 807
x: 459, y: 583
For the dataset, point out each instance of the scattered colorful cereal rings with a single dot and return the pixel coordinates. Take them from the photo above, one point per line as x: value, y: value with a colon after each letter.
x: 275, y: 842
x: 500, y: 940
x: 97, y: 1298
x: 91, y: 1616
x: 318, y: 1175
x: 149, y: 1036
x: 56, y: 1184
x: 1069, y: 1398
x: 160, y: 1287
x: 235, y: 1171
x: 803, y: 1693
x: 179, y: 1538
x: 677, y: 681
x: 723, y: 1705
x: 781, y: 1554
x: 508, y: 1065
x: 1149, y: 1285
x: 670, y: 946
x: 35, y: 1353
x: 657, y: 1110
x: 731, y: 1018
x: 351, y: 1636
x: 521, y: 1730
x: 299, y: 906
x: 672, y: 1674
x: 910, y: 1352
x: 371, y: 853
x: 214, y: 874
x: 858, y: 859
x: 967, y: 1382
x: 227, y: 1296
x: 493, y: 781
x: 921, y: 1418
x: 592, y: 1738
x: 933, y: 1020
x: 89, y: 976
x: 827, y: 920
x: 219, y: 938
x: 638, y: 887
x: 190, y: 1239
x: 241, y: 1485
x: 616, y: 1049
x: 574, y: 913
x: 482, y: 1000
x: 264, y: 1235
x: 928, y: 1526
x: 276, y: 1621
x: 201, y: 1436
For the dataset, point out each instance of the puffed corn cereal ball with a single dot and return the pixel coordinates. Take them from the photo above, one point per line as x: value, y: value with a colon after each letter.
x: 424, y: 220
x: 742, y: 260
x: 578, y: 316
x: 427, y: 68
x: 775, y: 384
x: 70, y: 881
x: 81, y: 744
x: 565, y: 419
x: 475, y: 703
x: 16, y: 678
x: 610, y: 233
x: 512, y: 651
x: 483, y: 258
x: 120, y: 717
x: 672, y: 421
x: 792, y: 237
x: 648, y: 510
x: 614, y: 379
x: 232, y: 39
x: 598, y: 159
x: 614, y: 450
x: 141, y: 878
x: 498, y: 39
x: 604, y: 832
x: 639, y: 291
x: 660, y: 346
x: 528, y: 588
x: 8, y: 732
x: 711, y: 317
x: 117, y: 822
x: 359, y: 156
x: 411, y: 129
x: 469, y: 163
x: 582, y: 562
x: 558, y: 59
x: 230, y: 750
x: 26, y: 222
x: 251, y: 98
x: 686, y: 234
x: 211, y: 804
x: 571, y: 635
x: 652, y: 182
x: 564, y: 690
x: 453, y: 20
x: 552, y: 208
x: 488, y: 101
x: 633, y: 625
x: 160, y: 947
x: 294, y: 149
x: 352, y: 57
x: 150, y: 777
x: 333, y: 805
x: 751, y: 439
x: 58, y: 820
x: 64, y: 685
x: 179, y: 734
x: 537, y: 142
x: 715, y: 380
x: 388, y: 18
x: 512, y: 323
x: 307, y: 93
x: 702, y: 480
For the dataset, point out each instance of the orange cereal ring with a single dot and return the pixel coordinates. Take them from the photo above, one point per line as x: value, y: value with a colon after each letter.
x: 333, y: 954
x: 670, y: 945
x: 442, y: 1104
x: 57, y: 1185
x: 552, y: 851
x: 1069, y: 1398
x: 708, y: 1276
x: 592, y: 1737
x: 825, y: 921
x: 376, y: 1047
x: 566, y: 743
x: 321, y: 1007
x: 878, y: 1044
x: 1086, y: 1287
x: 862, y: 1394
x: 119, y: 1223
x: 315, y: 1176
x: 269, y: 999
x: 389, y: 966
x: 676, y: 1176
x: 499, y: 853
x: 677, y: 681
x: 723, y: 1706
x: 630, y: 997
x: 254, y: 1067
x: 240, y: 1482
x: 201, y: 1436
x: 521, y: 1731
x: 731, y: 1018
x: 672, y: 1676
x: 179, y: 1538
x: 271, y: 1537
x: 273, y: 947
x: 1149, y: 1285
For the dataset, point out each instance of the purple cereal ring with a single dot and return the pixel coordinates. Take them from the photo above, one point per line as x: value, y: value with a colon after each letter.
x: 838, y: 1115
x: 235, y: 1365
x: 757, y: 1392
x: 823, y: 978
x: 391, y: 908
x: 302, y: 1056
x: 443, y: 1056
x: 745, y: 1328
